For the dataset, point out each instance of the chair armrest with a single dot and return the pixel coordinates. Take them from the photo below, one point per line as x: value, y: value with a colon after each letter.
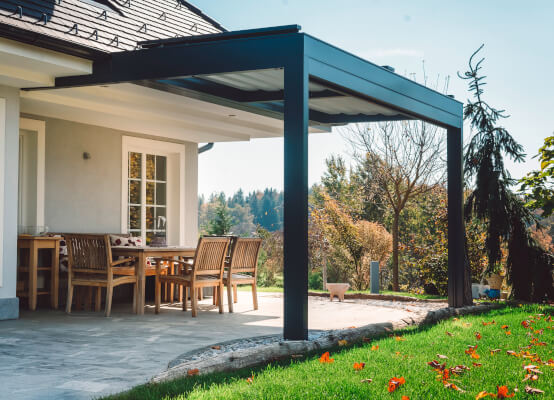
x: 125, y: 260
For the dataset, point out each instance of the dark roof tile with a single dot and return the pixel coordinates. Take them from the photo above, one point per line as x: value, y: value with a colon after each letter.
x: 88, y: 23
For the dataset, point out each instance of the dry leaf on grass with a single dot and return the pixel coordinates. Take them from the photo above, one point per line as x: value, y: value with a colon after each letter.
x: 324, y: 359
x: 193, y: 372
x: 359, y: 366
x: 441, y: 356
x: 366, y: 380
x: 530, y: 390
x: 394, y: 383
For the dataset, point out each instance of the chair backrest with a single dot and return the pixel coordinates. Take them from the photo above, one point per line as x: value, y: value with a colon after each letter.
x: 244, y: 256
x: 210, y: 255
x: 89, y: 253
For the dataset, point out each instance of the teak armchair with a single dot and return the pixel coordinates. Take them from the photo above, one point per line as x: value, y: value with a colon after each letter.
x: 90, y: 264
x: 206, y: 270
x: 242, y: 268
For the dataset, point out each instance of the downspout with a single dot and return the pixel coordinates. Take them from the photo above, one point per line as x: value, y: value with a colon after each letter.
x: 205, y: 148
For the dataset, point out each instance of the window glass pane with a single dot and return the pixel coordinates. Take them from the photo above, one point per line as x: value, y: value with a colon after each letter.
x: 135, y: 233
x: 135, y: 165
x: 150, y: 218
x: 150, y: 189
x: 134, y: 192
x: 161, y: 174
x: 149, y: 236
x: 160, y: 194
x: 134, y: 217
x: 150, y: 166
x: 161, y: 221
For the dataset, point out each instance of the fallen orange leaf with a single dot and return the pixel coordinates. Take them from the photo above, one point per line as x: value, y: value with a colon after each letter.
x: 343, y: 343
x: 394, y: 383
x: 359, y: 366
x: 475, y: 356
x: 324, y: 359
x: 478, y: 335
x: 502, y: 392
x: 504, y: 326
x: 449, y: 333
x: 508, y: 333
x: 250, y: 380
x: 399, y: 339
x: 476, y: 364
x: 193, y: 372
x: 484, y: 394
x: 373, y: 348
x: 405, y: 398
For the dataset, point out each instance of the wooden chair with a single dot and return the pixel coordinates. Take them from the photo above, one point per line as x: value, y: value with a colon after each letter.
x: 242, y: 268
x: 206, y: 271
x: 90, y: 264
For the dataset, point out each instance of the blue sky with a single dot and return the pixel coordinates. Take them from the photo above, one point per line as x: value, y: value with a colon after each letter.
x: 518, y: 39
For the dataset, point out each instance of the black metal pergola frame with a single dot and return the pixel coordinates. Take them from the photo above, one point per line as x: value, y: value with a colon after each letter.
x: 304, y: 59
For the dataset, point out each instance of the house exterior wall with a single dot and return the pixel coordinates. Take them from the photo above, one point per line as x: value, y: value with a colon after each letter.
x: 9, y: 150
x: 85, y: 195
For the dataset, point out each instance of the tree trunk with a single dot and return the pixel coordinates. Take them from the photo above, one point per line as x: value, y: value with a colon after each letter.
x: 395, y: 221
x: 324, y: 272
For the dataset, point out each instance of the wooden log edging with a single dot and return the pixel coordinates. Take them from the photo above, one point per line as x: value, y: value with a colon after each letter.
x: 387, y: 297
x: 256, y: 356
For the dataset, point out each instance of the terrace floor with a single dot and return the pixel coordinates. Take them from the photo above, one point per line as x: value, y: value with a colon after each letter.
x: 51, y: 355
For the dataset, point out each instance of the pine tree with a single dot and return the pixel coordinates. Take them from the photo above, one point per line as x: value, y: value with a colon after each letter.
x: 222, y: 222
x: 492, y: 201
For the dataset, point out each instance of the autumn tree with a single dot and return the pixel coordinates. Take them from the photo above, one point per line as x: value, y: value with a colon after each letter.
x: 404, y: 160
x: 538, y: 186
x: 358, y: 241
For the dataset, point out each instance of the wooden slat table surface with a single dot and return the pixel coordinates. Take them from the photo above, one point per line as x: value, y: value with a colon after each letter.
x: 141, y: 254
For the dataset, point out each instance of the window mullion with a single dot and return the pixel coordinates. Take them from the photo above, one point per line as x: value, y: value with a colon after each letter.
x: 143, y: 198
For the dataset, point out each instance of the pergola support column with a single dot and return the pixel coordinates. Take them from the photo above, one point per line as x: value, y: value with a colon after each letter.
x: 456, y: 248
x: 296, y: 200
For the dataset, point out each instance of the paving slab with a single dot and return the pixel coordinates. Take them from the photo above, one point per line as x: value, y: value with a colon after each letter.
x: 51, y: 355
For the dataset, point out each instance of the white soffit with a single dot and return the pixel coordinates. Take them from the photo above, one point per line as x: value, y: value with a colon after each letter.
x: 26, y: 66
x: 140, y: 109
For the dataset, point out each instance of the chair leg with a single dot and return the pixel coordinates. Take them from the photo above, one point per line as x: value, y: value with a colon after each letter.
x: 78, y: 298
x: 180, y: 293
x: 171, y: 293
x: 220, y: 297
x: 69, y: 297
x: 158, y: 294
x: 230, y: 297
x: 185, y: 289
x: 235, y: 296
x: 214, y: 297
x: 135, y: 288
x: 98, y: 304
x: 88, y: 299
x: 109, y: 295
x: 255, y: 296
x: 200, y: 293
x: 194, y: 298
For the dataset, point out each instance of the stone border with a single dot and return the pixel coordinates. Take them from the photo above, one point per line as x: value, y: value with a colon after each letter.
x: 389, y: 297
x: 260, y: 355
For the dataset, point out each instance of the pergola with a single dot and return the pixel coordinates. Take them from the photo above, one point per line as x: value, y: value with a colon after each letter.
x: 285, y: 74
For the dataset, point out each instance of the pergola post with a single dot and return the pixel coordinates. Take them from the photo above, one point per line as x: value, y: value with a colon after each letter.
x: 296, y: 200
x: 455, y: 218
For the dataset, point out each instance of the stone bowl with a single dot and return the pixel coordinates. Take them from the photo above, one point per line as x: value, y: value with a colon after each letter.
x: 337, y: 289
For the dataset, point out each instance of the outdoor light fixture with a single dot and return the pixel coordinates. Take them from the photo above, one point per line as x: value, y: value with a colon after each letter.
x: 86, y: 156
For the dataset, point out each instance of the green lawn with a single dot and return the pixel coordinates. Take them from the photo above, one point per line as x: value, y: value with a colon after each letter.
x: 275, y: 289
x: 406, y: 357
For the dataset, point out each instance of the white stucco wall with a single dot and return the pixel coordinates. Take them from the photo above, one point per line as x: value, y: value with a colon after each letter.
x: 9, y: 136
x: 85, y: 195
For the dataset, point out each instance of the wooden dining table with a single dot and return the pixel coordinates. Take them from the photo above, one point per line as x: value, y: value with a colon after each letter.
x: 141, y: 254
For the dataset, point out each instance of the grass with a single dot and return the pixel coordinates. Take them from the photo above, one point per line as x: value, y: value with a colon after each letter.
x: 275, y: 289
x: 405, y: 357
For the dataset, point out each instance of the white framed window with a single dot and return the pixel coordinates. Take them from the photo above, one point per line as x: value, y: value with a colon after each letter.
x: 153, y: 189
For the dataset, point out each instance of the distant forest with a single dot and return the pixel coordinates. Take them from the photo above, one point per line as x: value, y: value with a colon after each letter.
x: 245, y: 212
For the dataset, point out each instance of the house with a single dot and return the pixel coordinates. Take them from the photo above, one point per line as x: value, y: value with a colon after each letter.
x: 103, y: 105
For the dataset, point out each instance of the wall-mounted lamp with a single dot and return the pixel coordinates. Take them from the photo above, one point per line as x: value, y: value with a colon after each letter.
x: 86, y: 156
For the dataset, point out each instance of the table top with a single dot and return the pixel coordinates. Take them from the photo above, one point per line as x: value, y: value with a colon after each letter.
x: 149, y: 249
x: 31, y: 237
